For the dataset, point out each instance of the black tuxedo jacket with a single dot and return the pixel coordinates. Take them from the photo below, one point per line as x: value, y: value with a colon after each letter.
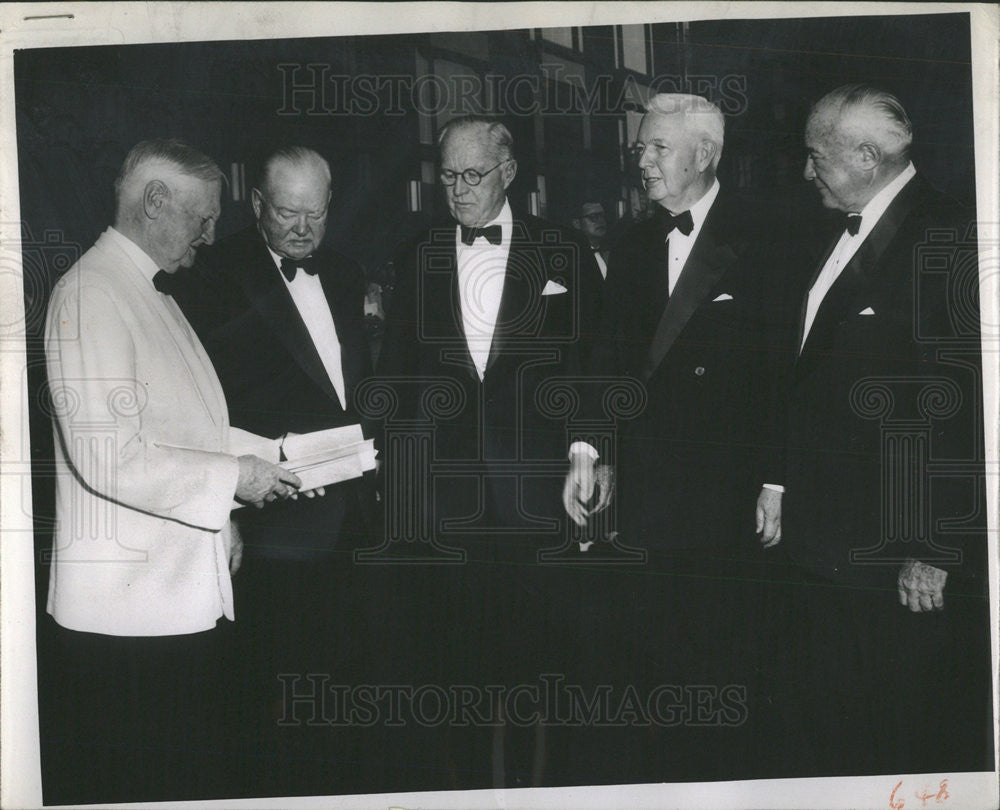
x: 710, y: 356
x: 887, y: 382
x: 497, y: 453
x: 272, y: 374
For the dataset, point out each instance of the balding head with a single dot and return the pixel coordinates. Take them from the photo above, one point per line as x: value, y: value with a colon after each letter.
x: 859, y: 140
x: 167, y: 197
x: 292, y: 201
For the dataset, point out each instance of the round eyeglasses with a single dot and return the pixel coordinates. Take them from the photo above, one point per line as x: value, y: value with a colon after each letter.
x: 470, y: 176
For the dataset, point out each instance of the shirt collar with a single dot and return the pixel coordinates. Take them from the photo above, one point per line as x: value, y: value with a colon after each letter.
x: 278, y: 259
x: 872, y: 212
x: 505, y: 219
x: 139, y: 257
x: 700, y: 209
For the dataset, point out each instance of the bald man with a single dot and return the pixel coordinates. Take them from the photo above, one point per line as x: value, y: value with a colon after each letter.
x: 893, y: 637
x: 282, y: 318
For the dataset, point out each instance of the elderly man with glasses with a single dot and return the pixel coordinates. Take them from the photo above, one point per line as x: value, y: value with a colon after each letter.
x: 488, y: 306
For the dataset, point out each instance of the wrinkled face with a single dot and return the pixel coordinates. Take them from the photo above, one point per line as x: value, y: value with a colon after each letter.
x: 291, y: 209
x: 593, y: 222
x: 830, y: 167
x: 668, y: 156
x: 470, y: 148
x: 187, y: 221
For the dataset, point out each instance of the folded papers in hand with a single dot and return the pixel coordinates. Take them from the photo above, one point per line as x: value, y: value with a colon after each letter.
x: 319, y: 459
x: 329, y: 456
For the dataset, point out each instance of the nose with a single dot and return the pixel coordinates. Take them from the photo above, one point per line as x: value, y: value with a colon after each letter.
x: 301, y: 226
x: 644, y: 160
x: 809, y: 172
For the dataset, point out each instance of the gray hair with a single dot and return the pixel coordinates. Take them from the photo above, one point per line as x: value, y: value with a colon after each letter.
x: 182, y: 157
x: 296, y: 156
x: 889, y: 126
x: 700, y: 114
x: 501, y: 141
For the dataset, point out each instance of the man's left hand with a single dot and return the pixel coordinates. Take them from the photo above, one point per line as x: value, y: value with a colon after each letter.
x: 921, y: 586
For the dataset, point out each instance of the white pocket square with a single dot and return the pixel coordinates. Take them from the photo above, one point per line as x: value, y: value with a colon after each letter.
x: 553, y: 288
x: 723, y: 297
x: 867, y: 311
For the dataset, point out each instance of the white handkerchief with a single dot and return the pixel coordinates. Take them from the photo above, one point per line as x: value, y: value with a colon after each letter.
x: 553, y: 288
x: 867, y: 311
x: 723, y: 297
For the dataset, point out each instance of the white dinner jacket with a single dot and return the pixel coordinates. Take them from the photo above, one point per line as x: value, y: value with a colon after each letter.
x: 144, y: 485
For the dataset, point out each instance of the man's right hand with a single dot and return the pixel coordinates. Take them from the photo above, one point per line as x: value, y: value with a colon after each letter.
x: 579, y: 487
x: 262, y: 481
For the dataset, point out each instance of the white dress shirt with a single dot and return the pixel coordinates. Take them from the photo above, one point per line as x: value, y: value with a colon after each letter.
x: 482, y: 267
x: 679, y: 245
x: 848, y: 245
x: 679, y: 248
x: 310, y: 301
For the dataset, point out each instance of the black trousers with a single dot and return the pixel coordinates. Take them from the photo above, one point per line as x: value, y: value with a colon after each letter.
x: 875, y: 688
x: 296, y: 642
x: 134, y: 718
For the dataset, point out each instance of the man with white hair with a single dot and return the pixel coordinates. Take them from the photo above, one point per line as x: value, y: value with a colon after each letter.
x: 687, y: 311
x: 892, y: 628
x: 145, y: 482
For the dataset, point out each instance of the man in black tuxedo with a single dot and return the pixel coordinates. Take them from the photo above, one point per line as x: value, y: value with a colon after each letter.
x: 694, y: 312
x: 488, y: 305
x: 893, y: 639
x: 282, y: 320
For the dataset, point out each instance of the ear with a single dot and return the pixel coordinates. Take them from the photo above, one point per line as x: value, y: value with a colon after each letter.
x: 154, y: 197
x: 704, y: 155
x: 509, y: 173
x: 869, y: 155
x: 257, y: 201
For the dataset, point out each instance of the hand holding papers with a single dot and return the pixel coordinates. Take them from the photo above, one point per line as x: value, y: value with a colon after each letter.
x: 329, y: 456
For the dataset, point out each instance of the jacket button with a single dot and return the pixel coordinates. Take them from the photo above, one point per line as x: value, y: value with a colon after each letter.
x: 699, y: 371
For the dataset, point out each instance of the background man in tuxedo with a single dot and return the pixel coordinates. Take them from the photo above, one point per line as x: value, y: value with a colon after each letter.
x: 141, y: 558
x: 892, y: 638
x: 593, y: 223
x: 693, y: 312
x: 491, y: 303
x: 283, y: 320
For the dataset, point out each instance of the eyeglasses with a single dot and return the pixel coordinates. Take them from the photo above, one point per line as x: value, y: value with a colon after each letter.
x: 470, y: 176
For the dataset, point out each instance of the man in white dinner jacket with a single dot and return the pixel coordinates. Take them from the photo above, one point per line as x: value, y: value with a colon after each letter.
x: 140, y: 570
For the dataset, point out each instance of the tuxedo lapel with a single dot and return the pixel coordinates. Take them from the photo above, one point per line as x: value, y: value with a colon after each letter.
x: 709, y: 259
x: 855, y: 276
x: 267, y: 293
x: 442, y: 304
x: 517, y: 291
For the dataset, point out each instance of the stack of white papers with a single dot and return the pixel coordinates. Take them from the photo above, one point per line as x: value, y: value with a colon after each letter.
x: 329, y: 456
x: 319, y: 459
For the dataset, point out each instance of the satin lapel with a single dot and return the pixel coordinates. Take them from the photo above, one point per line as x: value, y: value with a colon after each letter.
x: 269, y: 296
x: 442, y: 304
x: 521, y: 268
x: 858, y: 272
x: 708, y: 261
x: 805, y: 300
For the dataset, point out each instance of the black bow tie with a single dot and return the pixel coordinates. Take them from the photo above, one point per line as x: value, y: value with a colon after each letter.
x: 289, y: 266
x: 682, y: 222
x: 852, y: 223
x: 163, y: 282
x: 490, y: 232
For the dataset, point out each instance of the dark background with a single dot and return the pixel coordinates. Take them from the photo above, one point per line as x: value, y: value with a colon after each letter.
x: 79, y: 110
